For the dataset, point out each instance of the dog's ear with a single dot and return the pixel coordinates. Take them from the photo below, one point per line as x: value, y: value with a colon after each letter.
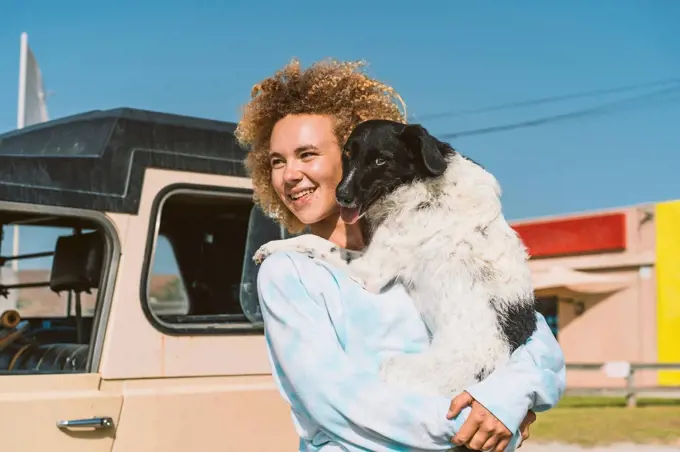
x: 418, y: 139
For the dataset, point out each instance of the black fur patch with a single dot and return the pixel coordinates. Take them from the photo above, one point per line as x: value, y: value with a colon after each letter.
x: 482, y: 374
x: 435, y: 189
x: 348, y: 257
x: 431, y: 204
x: 517, y: 322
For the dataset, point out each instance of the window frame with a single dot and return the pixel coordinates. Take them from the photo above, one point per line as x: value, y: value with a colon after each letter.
x: 196, y: 329
x: 112, y: 253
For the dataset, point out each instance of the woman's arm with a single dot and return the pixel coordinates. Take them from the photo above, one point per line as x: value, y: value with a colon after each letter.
x: 318, y: 378
x: 533, y: 379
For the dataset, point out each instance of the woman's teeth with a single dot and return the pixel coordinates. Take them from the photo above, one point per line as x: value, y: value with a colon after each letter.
x: 299, y: 195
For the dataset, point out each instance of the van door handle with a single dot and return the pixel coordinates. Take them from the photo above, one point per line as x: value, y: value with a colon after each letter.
x: 95, y: 422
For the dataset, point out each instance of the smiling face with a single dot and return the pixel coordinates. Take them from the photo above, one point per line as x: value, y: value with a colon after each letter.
x: 380, y: 156
x: 306, y: 166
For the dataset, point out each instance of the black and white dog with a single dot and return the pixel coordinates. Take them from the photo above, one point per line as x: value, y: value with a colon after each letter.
x: 436, y: 226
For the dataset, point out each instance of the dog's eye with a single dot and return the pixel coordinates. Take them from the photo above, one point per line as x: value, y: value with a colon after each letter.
x: 380, y: 161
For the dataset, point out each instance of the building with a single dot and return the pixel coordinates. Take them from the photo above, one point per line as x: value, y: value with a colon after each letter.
x: 608, y: 283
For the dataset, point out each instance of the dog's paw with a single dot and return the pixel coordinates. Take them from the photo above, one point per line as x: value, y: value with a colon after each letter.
x: 262, y: 253
x: 270, y: 248
x: 274, y: 246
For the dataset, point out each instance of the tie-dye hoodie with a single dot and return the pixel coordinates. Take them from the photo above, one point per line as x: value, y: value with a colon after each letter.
x: 326, y: 338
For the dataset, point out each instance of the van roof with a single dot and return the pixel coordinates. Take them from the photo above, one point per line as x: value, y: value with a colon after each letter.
x: 96, y: 160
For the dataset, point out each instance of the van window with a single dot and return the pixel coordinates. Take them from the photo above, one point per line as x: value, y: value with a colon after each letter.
x: 51, y: 290
x: 201, y: 275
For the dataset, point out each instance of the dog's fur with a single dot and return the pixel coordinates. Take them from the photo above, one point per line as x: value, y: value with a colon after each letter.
x: 436, y: 226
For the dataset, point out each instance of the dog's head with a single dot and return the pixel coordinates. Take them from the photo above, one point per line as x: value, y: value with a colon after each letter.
x: 380, y: 156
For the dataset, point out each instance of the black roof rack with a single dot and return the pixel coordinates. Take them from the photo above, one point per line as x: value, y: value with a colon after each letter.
x: 96, y: 160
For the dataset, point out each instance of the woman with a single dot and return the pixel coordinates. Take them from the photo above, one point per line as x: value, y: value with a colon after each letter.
x: 326, y: 336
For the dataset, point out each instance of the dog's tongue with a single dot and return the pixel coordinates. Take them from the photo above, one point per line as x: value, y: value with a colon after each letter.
x: 349, y: 215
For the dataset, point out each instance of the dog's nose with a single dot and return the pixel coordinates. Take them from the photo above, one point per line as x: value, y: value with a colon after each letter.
x: 344, y: 198
x: 344, y: 192
x: 344, y: 195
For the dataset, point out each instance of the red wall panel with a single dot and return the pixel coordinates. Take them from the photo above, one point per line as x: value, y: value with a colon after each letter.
x: 586, y: 235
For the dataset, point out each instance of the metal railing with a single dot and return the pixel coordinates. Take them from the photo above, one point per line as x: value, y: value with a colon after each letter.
x: 626, y: 371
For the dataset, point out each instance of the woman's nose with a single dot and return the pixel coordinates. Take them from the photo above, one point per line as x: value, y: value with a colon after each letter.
x: 292, y: 174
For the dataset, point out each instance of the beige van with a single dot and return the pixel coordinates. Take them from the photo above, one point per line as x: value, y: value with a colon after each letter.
x: 129, y: 318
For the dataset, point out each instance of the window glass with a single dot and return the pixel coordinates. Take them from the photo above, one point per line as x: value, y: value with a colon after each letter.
x: 202, y: 275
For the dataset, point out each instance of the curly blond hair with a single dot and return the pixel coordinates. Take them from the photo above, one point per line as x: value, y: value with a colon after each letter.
x: 338, y: 89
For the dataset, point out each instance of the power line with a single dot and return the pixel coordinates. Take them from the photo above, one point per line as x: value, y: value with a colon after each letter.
x: 604, y: 108
x: 547, y: 100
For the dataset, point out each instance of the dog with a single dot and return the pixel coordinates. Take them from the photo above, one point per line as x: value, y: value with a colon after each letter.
x: 436, y: 226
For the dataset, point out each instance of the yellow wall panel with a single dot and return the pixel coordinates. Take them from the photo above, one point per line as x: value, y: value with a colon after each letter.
x: 667, y: 221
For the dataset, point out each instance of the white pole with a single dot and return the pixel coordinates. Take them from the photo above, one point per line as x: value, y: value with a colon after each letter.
x: 21, y: 119
x: 23, y: 60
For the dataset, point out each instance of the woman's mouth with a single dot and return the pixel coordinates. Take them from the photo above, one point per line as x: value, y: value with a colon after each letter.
x: 301, y: 196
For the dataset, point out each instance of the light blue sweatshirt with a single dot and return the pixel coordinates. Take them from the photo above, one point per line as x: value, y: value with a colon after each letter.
x: 326, y: 338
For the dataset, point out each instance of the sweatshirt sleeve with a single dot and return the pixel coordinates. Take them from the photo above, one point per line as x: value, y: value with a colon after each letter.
x: 320, y: 381
x: 534, y: 379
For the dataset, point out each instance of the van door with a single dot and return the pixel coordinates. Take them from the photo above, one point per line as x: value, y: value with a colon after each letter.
x: 185, y: 335
x: 59, y: 413
x: 51, y: 331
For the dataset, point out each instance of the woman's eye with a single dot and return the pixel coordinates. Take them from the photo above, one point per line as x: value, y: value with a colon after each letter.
x: 275, y: 163
x: 306, y: 155
x: 380, y: 161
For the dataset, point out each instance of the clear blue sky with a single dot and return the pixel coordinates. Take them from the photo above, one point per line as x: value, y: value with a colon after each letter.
x: 440, y: 55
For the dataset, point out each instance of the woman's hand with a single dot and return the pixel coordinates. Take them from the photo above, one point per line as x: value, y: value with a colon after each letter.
x: 524, y: 426
x: 482, y: 430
